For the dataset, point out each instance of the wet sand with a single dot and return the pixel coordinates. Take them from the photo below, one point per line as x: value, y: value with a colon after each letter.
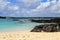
x: 24, y: 35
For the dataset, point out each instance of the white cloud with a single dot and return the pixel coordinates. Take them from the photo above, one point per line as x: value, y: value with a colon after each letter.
x: 55, y: 8
x: 53, y: 1
x: 30, y: 8
x: 43, y: 5
x: 3, y: 4
x: 31, y: 3
x: 50, y: 7
x: 46, y: 9
x: 14, y: 7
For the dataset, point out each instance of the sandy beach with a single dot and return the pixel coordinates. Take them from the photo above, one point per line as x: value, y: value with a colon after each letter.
x: 24, y: 35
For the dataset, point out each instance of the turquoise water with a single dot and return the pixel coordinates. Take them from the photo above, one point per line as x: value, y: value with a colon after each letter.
x: 22, y: 24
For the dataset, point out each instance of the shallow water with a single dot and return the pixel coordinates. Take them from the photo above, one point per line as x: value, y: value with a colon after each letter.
x: 22, y: 24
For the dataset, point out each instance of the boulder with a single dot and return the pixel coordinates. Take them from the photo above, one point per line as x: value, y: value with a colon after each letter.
x: 45, y: 28
x: 50, y: 28
x: 37, y: 28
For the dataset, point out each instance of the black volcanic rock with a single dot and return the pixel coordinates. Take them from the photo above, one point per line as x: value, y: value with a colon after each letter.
x: 50, y: 28
x: 2, y: 17
x: 53, y: 20
x: 37, y: 28
x: 45, y: 28
x: 41, y: 21
x: 56, y: 20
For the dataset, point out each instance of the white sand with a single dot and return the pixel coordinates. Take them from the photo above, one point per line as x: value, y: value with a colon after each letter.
x: 29, y: 35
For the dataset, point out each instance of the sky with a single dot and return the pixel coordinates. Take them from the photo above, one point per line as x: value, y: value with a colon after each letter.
x: 30, y: 8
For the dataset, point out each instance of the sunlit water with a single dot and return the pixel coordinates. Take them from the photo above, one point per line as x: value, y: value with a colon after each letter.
x: 22, y: 25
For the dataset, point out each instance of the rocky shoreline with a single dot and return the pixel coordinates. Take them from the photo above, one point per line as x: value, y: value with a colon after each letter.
x: 46, y: 28
x: 53, y: 25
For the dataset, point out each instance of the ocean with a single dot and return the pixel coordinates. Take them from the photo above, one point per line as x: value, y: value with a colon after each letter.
x: 14, y: 24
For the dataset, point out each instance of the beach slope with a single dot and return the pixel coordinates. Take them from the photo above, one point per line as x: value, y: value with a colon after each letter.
x: 29, y: 35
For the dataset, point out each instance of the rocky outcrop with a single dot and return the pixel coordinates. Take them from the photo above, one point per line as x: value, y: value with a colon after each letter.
x: 46, y: 28
x: 37, y: 28
x: 2, y: 17
x: 41, y: 21
x: 52, y: 20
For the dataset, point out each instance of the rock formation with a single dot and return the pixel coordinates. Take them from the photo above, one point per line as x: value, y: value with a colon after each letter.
x: 46, y: 28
